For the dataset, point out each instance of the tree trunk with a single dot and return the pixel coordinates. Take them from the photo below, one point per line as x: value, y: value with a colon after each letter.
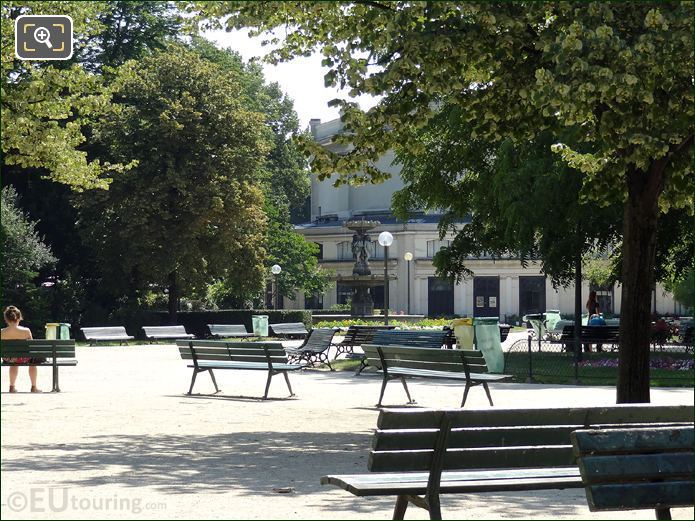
x: 578, y: 307
x: 173, y: 298
x: 639, y: 246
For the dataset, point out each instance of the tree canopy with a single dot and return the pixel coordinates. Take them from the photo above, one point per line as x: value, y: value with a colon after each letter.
x: 46, y: 104
x: 619, y: 74
x: 191, y: 210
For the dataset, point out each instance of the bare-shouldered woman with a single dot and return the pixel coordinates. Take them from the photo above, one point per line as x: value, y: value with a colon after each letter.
x: 14, y: 331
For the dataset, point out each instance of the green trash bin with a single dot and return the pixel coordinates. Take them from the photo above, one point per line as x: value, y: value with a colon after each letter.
x: 552, y: 317
x: 463, y: 331
x: 488, y: 341
x: 64, y: 331
x: 537, y: 321
x: 260, y: 325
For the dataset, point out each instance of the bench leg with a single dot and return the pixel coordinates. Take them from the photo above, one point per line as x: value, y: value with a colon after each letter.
x: 383, y: 388
x: 267, y: 385
x: 401, y: 507
x: 190, y: 389
x: 287, y: 379
x: 56, y: 383
x: 214, y: 382
x: 487, y: 391
x: 363, y: 365
x: 465, y: 393
x: 323, y: 358
x: 407, y: 392
x: 663, y: 513
x: 434, y: 507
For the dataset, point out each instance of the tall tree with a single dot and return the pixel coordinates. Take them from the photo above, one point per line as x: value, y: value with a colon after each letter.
x: 191, y: 210
x: 24, y: 254
x: 621, y: 73
x: 285, y: 178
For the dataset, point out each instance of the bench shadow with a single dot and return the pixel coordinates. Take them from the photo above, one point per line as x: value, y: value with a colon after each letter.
x: 255, y: 462
x: 234, y: 398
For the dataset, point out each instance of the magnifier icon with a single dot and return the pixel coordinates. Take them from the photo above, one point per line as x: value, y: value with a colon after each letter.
x: 43, y: 35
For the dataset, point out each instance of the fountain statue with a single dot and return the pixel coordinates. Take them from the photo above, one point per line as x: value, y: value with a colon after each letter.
x: 361, y: 279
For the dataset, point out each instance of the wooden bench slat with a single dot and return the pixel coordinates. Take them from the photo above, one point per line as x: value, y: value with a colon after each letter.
x: 388, y: 484
x: 638, y: 467
x: 617, y: 440
x: 636, y: 496
x: 410, y: 439
x: 498, y: 457
x: 246, y: 365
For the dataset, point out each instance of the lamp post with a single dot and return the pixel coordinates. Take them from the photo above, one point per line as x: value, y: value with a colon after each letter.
x: 386, y: 239
x: 408, y: 257
x: 275, y: 270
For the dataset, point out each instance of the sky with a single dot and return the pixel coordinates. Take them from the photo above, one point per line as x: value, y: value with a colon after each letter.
x: 301, y: 78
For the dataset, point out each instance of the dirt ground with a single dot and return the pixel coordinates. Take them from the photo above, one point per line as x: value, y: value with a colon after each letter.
x: 123, y: 441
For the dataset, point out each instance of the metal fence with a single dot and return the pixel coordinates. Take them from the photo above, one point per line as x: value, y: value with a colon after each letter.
x: 532, y: 360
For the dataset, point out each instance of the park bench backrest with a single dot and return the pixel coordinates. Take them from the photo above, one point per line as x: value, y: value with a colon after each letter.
x: 405, y: 440
x: 595, y: 333
x: 357, y: 335
x: 319, y: 339
x: 424, y: 338
x: 626, y: 469
x: 227, y: 329
x: 164, y: 330
x: 289, y: 328
x: 37, y: 348
x: 451, y: 360
x: 220, y: 351
x: 102, y: 332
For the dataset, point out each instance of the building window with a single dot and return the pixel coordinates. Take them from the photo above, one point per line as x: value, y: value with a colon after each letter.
x: 604, y: 297
x: 434, y: 246
x: 375, y: 250
x: 314, y: 301
x: 319, y: 254
x: 345, y: 250
x: 343, y: 294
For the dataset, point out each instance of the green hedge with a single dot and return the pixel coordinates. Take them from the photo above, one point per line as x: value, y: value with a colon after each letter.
x: 196, y: 321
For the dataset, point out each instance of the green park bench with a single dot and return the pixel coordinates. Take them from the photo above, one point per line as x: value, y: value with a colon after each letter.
x: 417, y: 455
x: 43, y: 353
x: 631, y: 469
x: 207, y: 355
x: 289, y: 330
x: 314, y: 349
x: 399, y: 362
x: 94, y: 335
x: 600, y: 335
x: 356, y: 335
x: 229, y: 331
x: 425, y: 338
x: 166, y: 332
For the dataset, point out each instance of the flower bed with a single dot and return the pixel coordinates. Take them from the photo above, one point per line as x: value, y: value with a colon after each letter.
x: 661, y: 362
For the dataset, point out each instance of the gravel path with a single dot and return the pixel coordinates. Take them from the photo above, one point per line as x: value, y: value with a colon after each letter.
x: 123, y: 441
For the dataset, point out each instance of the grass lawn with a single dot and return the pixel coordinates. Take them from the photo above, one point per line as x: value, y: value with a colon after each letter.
x: 558, y: 368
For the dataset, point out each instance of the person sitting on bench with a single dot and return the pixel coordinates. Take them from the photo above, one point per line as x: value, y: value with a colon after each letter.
x: 14, y: 331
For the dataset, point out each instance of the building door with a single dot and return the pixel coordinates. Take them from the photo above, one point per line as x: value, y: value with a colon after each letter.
x: 440, y: 297
x: 531, y: 295
x: 486, y: 296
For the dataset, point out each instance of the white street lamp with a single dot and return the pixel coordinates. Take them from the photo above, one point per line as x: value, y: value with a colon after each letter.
x: 386, y: 240
x: 275, y: 270
x: 408, y: 257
